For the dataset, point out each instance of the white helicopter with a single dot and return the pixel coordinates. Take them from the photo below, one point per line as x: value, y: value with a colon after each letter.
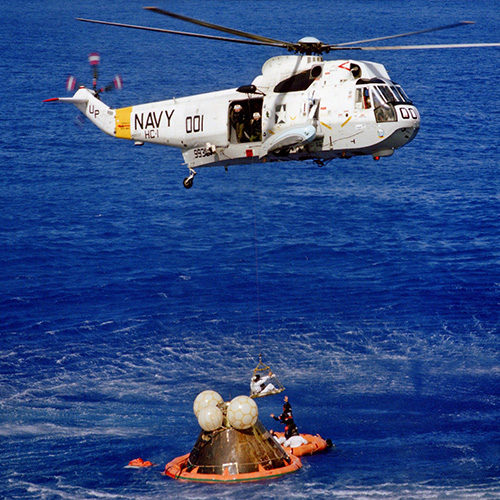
x: 300, y: 108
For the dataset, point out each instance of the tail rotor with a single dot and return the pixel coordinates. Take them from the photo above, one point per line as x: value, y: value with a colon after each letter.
x: 71, y: 83
x: 94, y: 61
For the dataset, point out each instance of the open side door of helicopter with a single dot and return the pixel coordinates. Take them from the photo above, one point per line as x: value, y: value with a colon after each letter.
x: 245, y: 120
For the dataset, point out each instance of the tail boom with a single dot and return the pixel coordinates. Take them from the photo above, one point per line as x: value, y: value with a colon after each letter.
x: 99, y: 113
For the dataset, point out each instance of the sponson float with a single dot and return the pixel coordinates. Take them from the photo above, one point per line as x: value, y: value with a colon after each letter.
x: 233, y: 445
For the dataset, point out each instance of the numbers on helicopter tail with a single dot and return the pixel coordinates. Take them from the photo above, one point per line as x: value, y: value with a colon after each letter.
x: 194, y: 124
x: 201, y: 153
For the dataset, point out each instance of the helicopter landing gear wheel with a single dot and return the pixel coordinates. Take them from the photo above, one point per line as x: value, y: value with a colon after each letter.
x: 188, y: 181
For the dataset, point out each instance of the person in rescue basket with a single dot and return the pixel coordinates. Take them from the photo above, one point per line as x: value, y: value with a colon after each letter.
x: 262, y: 385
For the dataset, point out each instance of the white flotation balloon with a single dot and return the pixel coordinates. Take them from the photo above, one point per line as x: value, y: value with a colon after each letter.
x: 242, y: 412
x: 204, y: 399
x: 210, y: 418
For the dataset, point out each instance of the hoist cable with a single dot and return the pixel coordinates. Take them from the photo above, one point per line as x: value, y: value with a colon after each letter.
x: 257, y: 270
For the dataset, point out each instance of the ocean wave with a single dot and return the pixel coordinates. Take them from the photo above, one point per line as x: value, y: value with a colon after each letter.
x: 293, y: 490
x: 52, y: 431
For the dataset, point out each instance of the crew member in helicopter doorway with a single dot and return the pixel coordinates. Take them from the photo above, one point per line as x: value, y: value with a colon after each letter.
x: 238, y: 120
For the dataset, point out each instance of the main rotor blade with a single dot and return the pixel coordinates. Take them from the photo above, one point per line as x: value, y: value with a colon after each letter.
x: 218, y: 27
x: 416, y: 47
x: 185, y: 33
x: 428, y: 30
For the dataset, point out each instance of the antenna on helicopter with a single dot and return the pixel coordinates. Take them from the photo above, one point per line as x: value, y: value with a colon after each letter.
x: 94, y: 60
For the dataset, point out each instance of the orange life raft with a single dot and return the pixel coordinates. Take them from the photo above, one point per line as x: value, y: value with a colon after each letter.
x: 315, y: 444
x: 179, y: 468
x: 139, y: 462
x: 230, y: 455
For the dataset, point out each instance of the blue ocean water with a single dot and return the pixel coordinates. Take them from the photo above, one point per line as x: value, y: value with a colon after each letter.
x: 123, y: 295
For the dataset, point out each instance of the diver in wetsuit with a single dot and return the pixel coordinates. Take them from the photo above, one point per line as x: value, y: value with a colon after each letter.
x: 287, y: 418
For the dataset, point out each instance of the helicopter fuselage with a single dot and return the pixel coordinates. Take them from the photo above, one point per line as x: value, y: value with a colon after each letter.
x: 300, y: 107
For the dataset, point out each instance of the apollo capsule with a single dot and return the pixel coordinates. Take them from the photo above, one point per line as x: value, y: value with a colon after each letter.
x: 233, y: 445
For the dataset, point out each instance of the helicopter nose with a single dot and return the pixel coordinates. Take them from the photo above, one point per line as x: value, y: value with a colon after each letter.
x: 405, y: 130
x: 409, y: 118
x: 408, y: 113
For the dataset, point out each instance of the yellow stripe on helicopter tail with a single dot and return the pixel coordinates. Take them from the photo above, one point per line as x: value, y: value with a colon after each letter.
x: 122, y: 123
x: 347, y: 121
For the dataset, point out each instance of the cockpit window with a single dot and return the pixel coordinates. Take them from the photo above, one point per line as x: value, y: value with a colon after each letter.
x: 397, y: 94
x: 388, y: 95
x: 363, y: 100
x: 402, y: 93
x: 378, y: 98
x: 381, y: 95
x: 382, y: 103
x: 392, y: 92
